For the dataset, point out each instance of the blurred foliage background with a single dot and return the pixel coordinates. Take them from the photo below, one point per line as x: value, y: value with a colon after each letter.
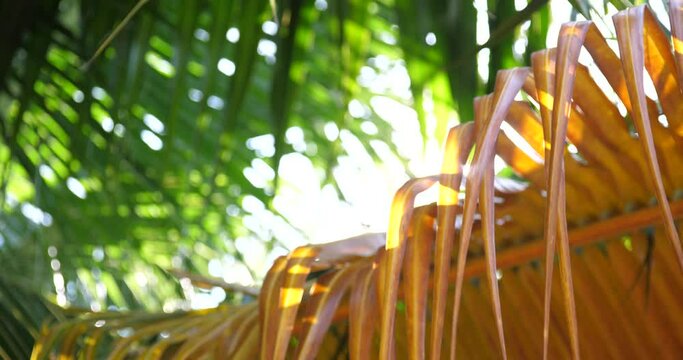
x: 166, y: 154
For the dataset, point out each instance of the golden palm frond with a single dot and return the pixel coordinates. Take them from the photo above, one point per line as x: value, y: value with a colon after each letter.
x: 609, y: 206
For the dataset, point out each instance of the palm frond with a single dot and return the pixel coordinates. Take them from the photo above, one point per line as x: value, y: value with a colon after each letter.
x: 23, y: 315
x: 150, y: 134
x: 607, y: 227
x: 148, y: 145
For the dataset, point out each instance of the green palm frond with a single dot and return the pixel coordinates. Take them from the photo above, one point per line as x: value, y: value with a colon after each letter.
x: 137, y: 161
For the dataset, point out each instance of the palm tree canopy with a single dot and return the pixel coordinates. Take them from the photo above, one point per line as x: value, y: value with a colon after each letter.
x: 123, y: 171
x: 136, y: 160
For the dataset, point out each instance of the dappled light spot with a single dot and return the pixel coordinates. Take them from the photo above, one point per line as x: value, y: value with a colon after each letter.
x: 58, y: 281
x: 268, y: 49
x: 263, y: 169
x: 309, y: 320
x: 76, y: 187
x: 159, y: 64
x: 226, y: 66
x: 47, y: 173
x: 153, y: 123
x: 233, y: 35
x: 303, y: 254
x: 36, y: 215
x: 263, y: 145
x: 292, y: 166
x: 447, y: 195
x: 678, y: 45
x: 232, y: 210
x: 369, y: 128
x: 141, y: 279
x: 215, y: 102
x: 269, y: 27
x: 201, y: 35
x: 483, y: 31
x: 367, y: 76
x: 107, y: 124
x: 545, y: 99
x: 664, y: 121
x: 195, y: 95
x: 357, y: 110
x: 119, y: 130
x: 295, y: 136
x: 331, y: 131
x: 388, y: 38
x: 519, y: 47
x: 215, y: 268
x: 98, y: 254
x: 78, y: 96
x: 152, y: 140
x: 254, y: 177
x: 290, y: 297
x: 299, y: 269
x: 320, y: 5
x: 430, y: 39
x: 483, y: 60
x: 208, y: 299
x: 252, y: 204
x: 126, y: 332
